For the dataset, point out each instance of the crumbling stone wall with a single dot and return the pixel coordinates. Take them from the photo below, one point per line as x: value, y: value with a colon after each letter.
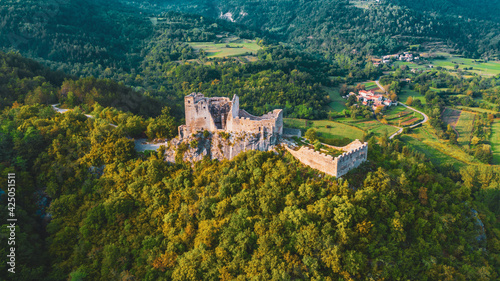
x: 213, y: 114
x: 316, y: 160
x: 337, y: 166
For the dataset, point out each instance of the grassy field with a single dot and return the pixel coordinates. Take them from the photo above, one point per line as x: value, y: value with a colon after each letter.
x: 235, y: 48
x: 369, y: 126
x: 464, y: 127
x: 490, y: 68
x: 495, y: 141
x: 337, y: 102
x: 406, y: 93
x: 477, y: 109
x: 436, y: 156
x: 336, y: 130
x: 439, y: 151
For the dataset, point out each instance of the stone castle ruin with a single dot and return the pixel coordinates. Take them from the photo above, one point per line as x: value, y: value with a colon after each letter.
x: 222, y: 114
x: 233, y: 130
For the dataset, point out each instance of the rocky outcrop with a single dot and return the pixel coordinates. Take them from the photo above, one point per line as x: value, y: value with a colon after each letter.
x: 218, y: 145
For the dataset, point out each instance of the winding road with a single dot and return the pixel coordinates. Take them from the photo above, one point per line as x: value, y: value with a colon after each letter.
x: 426, y: 118
x: 61, y: 110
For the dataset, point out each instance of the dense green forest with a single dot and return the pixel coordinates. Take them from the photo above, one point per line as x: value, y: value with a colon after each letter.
x: 479, y: 10
x: 335, y: 26
x: 117, y: 214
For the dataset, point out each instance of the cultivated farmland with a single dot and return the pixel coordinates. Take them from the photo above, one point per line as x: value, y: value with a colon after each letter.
x: 495, y: 141
x: 465, y: 126
x: 450, y: 116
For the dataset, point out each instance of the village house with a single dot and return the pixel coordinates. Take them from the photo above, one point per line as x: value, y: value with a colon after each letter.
x: 406, y: 57
x: 370, y: 98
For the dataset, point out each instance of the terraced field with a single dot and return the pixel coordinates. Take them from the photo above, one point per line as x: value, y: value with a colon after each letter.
x: 477, y: 109
x: 371, y: 86
x: 401, y: 116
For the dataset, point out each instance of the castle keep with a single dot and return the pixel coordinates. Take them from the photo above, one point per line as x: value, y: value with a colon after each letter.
x: 222, y: 114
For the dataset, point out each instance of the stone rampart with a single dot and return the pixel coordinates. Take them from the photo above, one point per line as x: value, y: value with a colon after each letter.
x: 316, y: 160
x: 337, y: 166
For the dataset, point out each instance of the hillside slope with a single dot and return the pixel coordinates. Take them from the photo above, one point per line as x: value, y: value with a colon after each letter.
x: 339, y: 26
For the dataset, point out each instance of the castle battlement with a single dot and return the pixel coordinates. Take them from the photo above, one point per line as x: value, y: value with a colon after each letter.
x: 337, y: 166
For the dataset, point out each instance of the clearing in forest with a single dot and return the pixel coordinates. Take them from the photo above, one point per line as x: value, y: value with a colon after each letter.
x: 481, y: 67
x: 241, y: 47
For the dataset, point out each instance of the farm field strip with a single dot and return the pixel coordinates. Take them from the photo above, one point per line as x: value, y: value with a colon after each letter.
x: 477, y: 109
x: 402, y: 116
x: 465, y: 126
x: 495, y: 141
x: 450, y: 116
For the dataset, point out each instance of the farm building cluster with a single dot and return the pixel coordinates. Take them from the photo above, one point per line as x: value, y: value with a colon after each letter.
x: 374, y: 100
x: 406, y: 56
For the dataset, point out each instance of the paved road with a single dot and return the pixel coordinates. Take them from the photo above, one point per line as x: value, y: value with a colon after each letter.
x: 380, y: 86
x: 426, y: 118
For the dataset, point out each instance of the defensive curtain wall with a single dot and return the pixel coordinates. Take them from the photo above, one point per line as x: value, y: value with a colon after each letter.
x: 355, y: 154
x: 221, y: 114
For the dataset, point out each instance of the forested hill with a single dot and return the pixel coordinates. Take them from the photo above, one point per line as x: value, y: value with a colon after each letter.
x: 476, y: 9
x: 340, y: 26
x: 116, y: 214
